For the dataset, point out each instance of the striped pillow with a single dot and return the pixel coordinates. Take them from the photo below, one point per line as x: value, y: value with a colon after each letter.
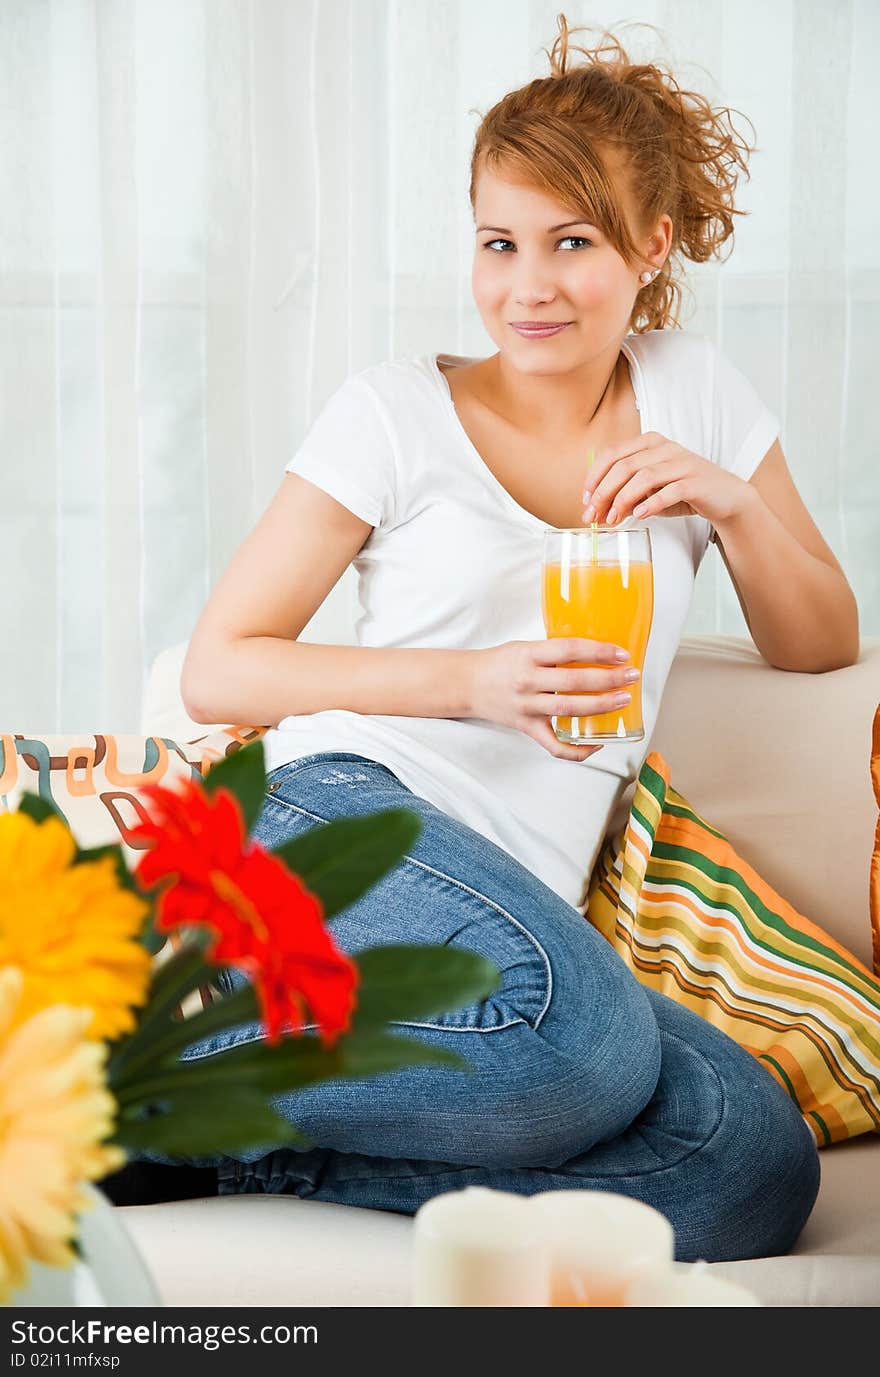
x: 874, y: 876
x: 694, y: 921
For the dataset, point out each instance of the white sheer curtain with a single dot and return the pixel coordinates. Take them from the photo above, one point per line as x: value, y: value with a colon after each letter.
x: 213, y: 210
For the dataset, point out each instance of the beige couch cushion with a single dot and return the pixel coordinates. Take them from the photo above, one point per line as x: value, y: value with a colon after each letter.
x: 780, y: 763
x: 308, y: 1252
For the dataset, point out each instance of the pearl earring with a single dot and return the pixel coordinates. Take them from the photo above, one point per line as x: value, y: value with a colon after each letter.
x: 647, y: 276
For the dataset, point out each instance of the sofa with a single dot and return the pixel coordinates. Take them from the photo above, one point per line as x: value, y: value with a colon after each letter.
x: 780, y: 763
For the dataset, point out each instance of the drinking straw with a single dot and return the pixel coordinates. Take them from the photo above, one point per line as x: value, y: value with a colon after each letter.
x: 594, y: 525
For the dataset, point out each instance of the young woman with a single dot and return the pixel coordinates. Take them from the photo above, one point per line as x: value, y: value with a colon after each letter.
x: 437, y: 475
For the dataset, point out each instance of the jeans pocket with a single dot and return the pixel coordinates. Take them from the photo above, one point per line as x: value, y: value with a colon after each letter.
x: 341, y: 760
x: 279, y: 820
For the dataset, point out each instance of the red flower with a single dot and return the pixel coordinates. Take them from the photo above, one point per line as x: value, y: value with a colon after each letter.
x: 267, y: 921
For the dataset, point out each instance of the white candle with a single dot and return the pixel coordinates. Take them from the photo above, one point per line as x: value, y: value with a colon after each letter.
x: 687, y: 1284
x: 479, y: 1247
x: 599, y: 1243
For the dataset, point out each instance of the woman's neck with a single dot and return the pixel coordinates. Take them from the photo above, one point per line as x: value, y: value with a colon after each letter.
x: 553, y: 407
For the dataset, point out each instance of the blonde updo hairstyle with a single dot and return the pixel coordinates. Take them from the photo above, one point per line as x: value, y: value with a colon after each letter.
x: 682, y: 156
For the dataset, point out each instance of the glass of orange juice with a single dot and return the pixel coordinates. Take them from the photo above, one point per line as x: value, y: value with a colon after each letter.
x: 598, y: 582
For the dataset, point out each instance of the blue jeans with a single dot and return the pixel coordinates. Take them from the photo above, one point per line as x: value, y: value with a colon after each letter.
x: 584, y: 1078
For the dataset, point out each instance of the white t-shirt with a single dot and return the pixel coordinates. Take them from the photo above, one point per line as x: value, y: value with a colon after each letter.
x: 454, y: 561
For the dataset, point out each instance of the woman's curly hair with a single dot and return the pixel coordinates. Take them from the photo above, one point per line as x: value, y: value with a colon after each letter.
x: 568, y: 133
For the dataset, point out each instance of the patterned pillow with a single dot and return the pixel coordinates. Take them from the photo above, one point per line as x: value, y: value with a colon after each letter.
x: 96, y: 782
x: 693, y: 920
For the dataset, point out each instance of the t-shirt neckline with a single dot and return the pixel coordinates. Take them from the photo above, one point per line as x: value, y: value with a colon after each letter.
x: 488, y: 476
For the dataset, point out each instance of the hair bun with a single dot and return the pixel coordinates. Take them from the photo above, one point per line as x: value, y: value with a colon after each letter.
x: 576, y: 132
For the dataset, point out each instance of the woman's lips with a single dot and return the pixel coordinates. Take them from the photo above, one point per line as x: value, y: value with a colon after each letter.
x: 540, y: 332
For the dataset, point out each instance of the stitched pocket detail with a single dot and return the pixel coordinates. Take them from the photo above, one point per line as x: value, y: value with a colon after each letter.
x: 477, y: 923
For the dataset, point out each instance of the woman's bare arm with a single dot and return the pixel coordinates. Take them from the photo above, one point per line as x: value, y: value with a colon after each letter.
x: 795, y: 597
x: 244, y: 663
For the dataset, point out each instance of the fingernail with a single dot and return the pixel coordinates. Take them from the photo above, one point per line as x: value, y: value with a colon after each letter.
x: 590, y: 513
x: 612, y: 516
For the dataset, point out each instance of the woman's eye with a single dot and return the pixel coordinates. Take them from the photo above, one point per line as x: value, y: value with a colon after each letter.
x: 569, y: 239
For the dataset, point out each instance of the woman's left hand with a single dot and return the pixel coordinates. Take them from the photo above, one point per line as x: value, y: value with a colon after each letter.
x: 652, y: 476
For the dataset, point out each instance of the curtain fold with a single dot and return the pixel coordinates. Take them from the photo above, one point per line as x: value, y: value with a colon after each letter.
x: 215, y: 210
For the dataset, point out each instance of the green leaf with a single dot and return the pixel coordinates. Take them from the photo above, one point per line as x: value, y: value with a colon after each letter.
x: 204, y: 1124
x: 39, y: 808
x: 406, y: 982
x: 288, y: 1065
x: 182, y: 972
x: 397, y: 982
x: 150, y: 937
x: 243, y: 772
x: 340, y: 860
x: 164, y: 1047
x: 87, y: 854
x: 172, y: 981
x: 368, y: 1052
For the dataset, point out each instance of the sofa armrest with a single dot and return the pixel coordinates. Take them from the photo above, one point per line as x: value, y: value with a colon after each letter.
x: 781, y: 763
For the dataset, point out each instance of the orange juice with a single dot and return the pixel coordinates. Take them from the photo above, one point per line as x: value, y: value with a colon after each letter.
x: 605, y: 601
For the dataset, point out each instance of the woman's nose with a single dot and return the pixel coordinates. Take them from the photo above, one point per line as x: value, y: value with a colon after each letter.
x: 533, y: 288
x: 535, y: 295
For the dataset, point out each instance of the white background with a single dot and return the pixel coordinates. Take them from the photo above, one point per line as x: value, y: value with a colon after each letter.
x: 214, y: 210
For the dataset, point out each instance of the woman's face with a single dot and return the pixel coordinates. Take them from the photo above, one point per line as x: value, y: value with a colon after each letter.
x: 542, y: 268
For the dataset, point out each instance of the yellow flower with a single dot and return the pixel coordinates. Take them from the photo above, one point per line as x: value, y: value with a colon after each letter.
x: 54, y: 1111
x: 71, y: 929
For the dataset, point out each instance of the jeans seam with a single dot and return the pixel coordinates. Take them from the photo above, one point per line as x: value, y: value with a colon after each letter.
x: 468, y: 889
x: 297, y: 809
x: 669, y: 1166
x: 406, y: 1176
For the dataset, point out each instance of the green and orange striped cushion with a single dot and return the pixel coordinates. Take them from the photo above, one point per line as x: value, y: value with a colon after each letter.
x: 874, y: 871
x: 694, y: 921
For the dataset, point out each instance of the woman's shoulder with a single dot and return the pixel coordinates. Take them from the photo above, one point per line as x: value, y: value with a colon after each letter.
x: 401, y: 366
x: 394, y: 380
x: 671, y: 349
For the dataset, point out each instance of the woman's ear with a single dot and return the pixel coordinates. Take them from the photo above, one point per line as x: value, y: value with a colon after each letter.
x: 660, y: 241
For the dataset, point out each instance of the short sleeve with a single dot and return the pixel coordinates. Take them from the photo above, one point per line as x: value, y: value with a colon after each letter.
x: 348, y: 452
x: 743, y: 426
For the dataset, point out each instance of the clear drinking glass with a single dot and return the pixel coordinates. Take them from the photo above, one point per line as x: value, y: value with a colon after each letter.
x: 598, y: 582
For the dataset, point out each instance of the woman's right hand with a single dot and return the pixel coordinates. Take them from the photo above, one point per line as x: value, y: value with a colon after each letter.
x: 523, y: 684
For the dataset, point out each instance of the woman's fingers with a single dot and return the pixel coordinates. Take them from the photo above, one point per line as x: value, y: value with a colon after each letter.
x: 546, y: 737
x: 559, y: 650
x: 579, y: 705
x: 601, y: 679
